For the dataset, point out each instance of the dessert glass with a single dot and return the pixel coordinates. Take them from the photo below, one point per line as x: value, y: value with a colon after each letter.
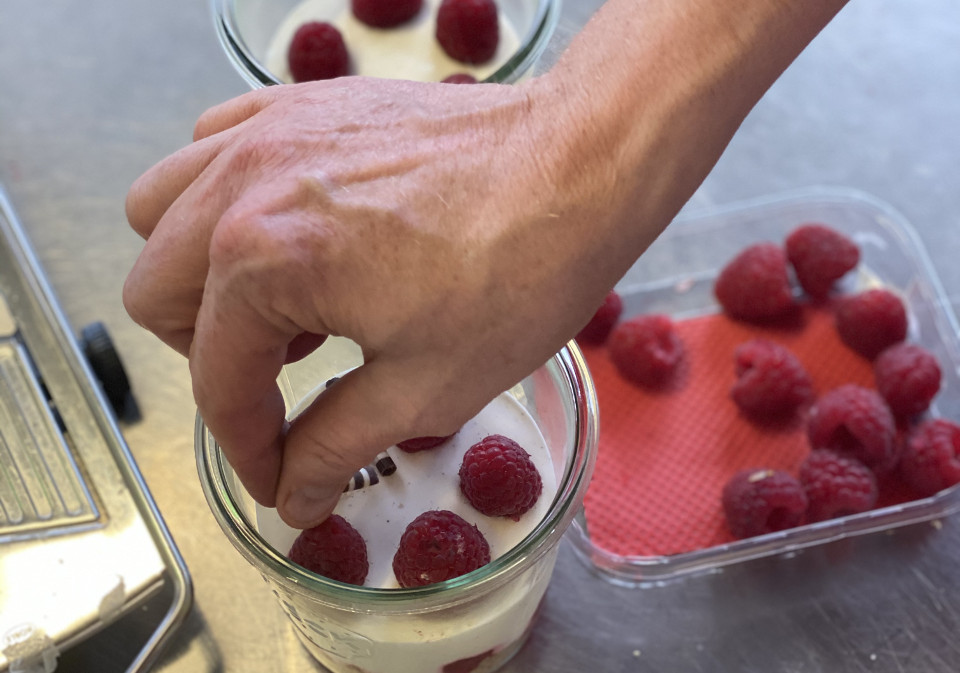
x: 474, y: 622
x: 246, y: 28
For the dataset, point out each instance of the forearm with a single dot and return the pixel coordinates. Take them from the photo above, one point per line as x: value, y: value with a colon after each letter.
x: 654, y: 90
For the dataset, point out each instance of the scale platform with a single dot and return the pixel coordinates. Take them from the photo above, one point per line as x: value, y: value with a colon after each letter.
x: 82, y: 544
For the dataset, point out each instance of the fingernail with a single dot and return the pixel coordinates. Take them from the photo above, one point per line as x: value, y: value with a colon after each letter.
x: 307, y: 505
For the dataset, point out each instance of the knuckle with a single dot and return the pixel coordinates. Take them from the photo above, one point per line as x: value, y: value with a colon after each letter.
x: 323, y: 453
x: 134, y: 207
x: 133, y: 301
x: 203, y: 127
x: 234, y: 239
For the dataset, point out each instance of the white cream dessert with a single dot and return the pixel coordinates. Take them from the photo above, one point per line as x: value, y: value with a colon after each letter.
x: 429, y: 480
x: 427, y: 642
x: 408, y: 51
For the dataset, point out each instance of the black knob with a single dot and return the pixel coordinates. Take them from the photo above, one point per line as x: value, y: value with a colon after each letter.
x: 105, y: 361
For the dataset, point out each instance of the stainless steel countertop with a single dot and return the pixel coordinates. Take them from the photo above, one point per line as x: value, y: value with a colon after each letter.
x: 95, y: 92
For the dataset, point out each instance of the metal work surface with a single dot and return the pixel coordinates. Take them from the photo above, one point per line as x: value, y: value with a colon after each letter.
x: 97, y: 91
x: 81, y: 543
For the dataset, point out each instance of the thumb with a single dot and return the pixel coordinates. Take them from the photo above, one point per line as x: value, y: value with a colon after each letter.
x: 341, y: 431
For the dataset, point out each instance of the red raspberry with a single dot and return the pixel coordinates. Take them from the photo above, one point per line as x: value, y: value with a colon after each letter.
x: 763, y: 501
x: 755, y: 285
x: 646, y: 349
x: 771, y: 381
x: 820, y: 256
x: 468, y: 665
x: 333, y: 549
x: 385, y: 13
x: 871, y: 321
x: 498, y: 477
x: 421, y: 443
x: 931, y: 457
x: 468, y: 30
x: 598, y: 329
x: 459, y: 78
x: 436, y: 546
x: 854, y: 421
x: 836, y: 485
x: 908, y: 377
x: 317, y: 51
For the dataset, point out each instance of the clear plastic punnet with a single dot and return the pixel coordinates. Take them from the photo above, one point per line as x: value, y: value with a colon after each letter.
x: 676, y: 277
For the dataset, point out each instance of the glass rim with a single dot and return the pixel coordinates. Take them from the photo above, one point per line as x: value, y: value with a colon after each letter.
x: 256, y: 75
x: 261, y: 554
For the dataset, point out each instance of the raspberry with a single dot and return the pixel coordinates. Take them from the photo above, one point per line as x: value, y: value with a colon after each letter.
x: 468, y: 30
x: 836, y: 485
x: 908, y: 378
x: 931, y: 457
x: 755, y: 285
x: 333, y: 549
x: 820, y: 256
x: 854, y: 421
x: 436, y: 546
x: 385, y: 13
x: 771, y: 381
x: 317, y: 51
x: 604, y: 318
x: 871, y: 321
x: 646, y: 349
x: 421, y: 443
x: 763, y: 501
x: 498, y: 477
x: 459, y: 78
x: 468, y: 665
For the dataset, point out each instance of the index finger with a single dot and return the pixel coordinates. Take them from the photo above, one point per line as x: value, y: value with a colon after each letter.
x: 235, y: 359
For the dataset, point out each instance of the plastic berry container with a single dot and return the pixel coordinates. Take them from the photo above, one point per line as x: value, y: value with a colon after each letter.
x: 254, y: 34
x: 652, y: 512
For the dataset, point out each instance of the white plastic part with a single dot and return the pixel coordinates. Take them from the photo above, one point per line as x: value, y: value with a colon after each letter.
x: 29, y: 650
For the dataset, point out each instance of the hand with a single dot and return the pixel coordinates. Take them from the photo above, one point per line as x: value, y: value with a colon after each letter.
x: 418, y: 220
x: 460, y: 234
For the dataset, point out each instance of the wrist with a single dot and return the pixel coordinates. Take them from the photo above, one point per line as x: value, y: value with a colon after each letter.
x: 643, y: 103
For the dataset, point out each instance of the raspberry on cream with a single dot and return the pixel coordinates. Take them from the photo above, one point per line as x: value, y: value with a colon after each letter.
x: 409, y: 50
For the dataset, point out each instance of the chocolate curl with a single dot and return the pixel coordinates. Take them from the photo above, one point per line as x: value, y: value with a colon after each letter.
x: 365, y: 476
x: 385, y: 465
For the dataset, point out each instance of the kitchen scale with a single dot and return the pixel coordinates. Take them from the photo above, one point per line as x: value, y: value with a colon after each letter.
x: 82, y: 545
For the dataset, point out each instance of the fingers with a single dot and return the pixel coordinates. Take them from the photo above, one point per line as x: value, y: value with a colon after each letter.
x: 164, y: 288
x: 341, y: 431
x: 163, y: 303
x: 234, y: 361
x: 228, y: 114
x: 153, y: 193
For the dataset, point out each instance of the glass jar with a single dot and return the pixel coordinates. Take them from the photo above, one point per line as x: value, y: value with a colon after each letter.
x: 478, y: 620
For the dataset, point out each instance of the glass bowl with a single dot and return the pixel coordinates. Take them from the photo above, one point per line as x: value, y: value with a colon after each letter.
x: 479, y: 619
x: 254, y: 34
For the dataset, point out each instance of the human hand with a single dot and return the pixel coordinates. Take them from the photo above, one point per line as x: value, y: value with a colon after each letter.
x: 460, y: 234
x: 417, y: 220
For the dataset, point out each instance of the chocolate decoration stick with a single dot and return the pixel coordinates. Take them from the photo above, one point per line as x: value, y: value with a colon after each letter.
x: 385, y: 465
x: 365, y: 476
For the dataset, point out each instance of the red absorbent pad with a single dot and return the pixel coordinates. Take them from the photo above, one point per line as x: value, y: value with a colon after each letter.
x: 664, y: 457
